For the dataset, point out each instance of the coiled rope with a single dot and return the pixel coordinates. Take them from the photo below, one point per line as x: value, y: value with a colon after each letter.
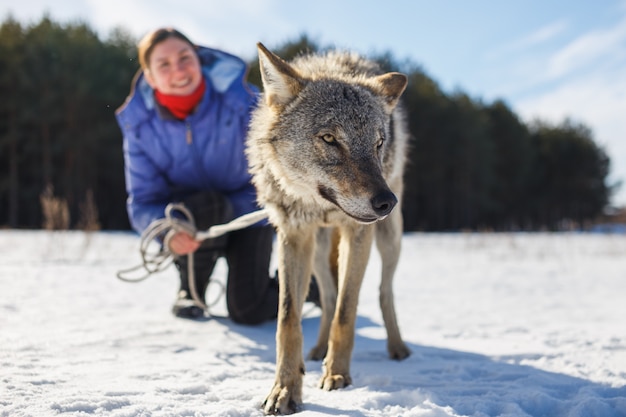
x: 153, y: 262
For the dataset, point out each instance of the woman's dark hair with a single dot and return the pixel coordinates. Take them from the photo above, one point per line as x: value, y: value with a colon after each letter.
x: 147, y: 43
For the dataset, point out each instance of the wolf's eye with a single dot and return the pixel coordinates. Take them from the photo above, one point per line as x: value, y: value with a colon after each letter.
x: 328, y: 138
x: 380, y: 142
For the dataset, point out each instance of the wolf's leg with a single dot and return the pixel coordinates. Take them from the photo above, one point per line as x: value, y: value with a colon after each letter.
x: 388, y: 241
x: 328, y: 291
x: 354, y: 249
x: 295, y: 256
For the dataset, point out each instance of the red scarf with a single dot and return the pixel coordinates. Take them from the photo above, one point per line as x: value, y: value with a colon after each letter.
x: 181, y: 106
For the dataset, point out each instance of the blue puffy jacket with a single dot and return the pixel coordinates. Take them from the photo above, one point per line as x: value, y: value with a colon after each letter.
x: 168, y: 159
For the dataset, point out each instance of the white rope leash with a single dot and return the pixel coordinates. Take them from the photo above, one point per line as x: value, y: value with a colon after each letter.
x: 168, y: 226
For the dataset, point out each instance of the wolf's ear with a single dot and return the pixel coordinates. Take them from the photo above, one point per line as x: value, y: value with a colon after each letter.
x: 281, y: 81
x: 391, y: 86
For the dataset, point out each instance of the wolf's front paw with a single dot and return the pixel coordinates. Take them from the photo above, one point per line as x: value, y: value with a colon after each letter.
x: 331, y: 382
x: 282, y: 400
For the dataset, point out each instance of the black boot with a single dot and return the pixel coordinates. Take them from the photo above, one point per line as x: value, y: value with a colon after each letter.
x: 185, y: 307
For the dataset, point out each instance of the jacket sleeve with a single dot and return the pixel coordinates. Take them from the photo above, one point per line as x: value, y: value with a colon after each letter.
x: 148, y: 191
x: 244, y: 197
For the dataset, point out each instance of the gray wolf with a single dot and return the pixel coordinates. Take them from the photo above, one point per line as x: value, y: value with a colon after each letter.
x: 326, y: 147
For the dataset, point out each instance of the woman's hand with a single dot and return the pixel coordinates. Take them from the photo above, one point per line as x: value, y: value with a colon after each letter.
x: 182, y: 243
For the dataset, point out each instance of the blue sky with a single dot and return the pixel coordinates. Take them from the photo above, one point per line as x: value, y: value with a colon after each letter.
x: 546, y: 59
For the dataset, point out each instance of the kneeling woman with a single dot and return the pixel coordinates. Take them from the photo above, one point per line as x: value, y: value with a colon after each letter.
x: 184, y: 125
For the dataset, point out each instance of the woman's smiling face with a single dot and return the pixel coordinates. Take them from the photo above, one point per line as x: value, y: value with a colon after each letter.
x: 174, y: 68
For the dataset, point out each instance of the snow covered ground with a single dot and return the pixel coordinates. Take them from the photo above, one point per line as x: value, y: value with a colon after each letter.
x: 499, y: 325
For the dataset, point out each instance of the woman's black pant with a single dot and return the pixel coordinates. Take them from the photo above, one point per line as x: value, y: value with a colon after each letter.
x: 251, y: 295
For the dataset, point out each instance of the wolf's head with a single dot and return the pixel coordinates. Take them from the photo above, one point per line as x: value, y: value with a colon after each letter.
x: 328, y: 132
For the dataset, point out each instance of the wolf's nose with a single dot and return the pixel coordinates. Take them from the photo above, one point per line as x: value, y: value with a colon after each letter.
x: 384, y: 202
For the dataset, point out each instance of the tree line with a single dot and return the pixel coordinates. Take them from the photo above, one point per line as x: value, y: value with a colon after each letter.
x: 472, y: 165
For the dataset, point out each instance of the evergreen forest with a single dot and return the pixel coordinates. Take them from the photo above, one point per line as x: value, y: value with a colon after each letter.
x: 472, y: 165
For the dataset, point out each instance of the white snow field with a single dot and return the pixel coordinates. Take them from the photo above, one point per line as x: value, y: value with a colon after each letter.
x: 499, y: 325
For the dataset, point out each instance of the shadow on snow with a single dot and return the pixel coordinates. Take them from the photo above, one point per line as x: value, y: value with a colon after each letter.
x: 467, y: 383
